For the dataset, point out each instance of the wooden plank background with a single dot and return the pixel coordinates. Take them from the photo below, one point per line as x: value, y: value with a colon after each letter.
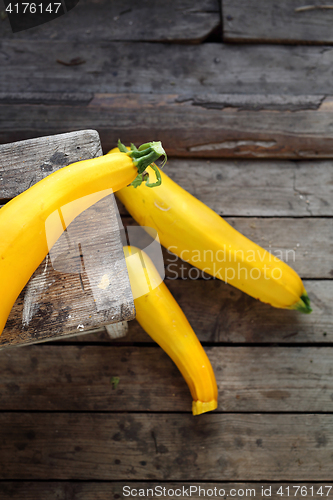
x: 208, y: 100
x: 185, y: 21
x: 248, y: 128
x: 278, y: 21
x: 173, y: 447
x: 286, y: 379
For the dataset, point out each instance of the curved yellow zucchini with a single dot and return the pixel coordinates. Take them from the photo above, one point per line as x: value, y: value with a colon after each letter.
x: 25, y: 239
x: 194, y: 232
x: 161, y: 317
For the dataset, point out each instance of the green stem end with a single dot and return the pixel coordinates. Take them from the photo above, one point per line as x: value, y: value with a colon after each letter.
x: 303, y: 305
x: 144, y: 157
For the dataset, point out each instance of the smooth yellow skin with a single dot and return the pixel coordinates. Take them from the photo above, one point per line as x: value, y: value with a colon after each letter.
x: 67, y: 192
x: 161, y: 317
x: 194, y: 232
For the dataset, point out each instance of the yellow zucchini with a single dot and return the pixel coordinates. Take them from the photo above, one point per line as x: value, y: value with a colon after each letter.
x: 194, y: 232
x: 161, y: 317
x: 64, y: 194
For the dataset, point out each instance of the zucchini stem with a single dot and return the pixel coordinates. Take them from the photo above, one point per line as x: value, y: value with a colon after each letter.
x: 144, y: 157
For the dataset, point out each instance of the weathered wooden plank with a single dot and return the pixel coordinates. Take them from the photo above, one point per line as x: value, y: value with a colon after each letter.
x: 163, y: 447
x: 24, y: 163
x: 279, y: 21
x: 238, y: 316
x: 113, y: 331
x: 124, y: 20
x: 289, y: 239
x: 210, y: 72
x: 250, y: 379
x: 230, y: 187
x: 260, y: 188
x: 184, y: 128
x: 100, y: 334
x: 220, y: 313
x: 105, y: 490
x: 216, y: 100
x: 308, y: 262
x: 306, y: 244
x: 63, y: 295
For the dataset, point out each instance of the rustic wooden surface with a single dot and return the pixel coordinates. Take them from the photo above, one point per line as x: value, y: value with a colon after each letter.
x: 221, y: 314
x: 271, y: 234
x: 274, y: 188
x: 286, y: 379
x: 24, y: 163
x: 207, y: 100
x: 125, y: 20
x: 215, y: 447
x: 277, y: 21
x: 186, y: 130
x: 62, y: 297
x: 233, y: 118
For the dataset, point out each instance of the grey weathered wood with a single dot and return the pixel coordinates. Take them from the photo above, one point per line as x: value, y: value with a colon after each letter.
x: 304, y: 243
x: 165, y: 447
x: 207, y: 70
x: 258, y: 188
x: 255, y: 102
x: 61, y: 298
x: 177, y: 21
x: 185, y: 130
x: 215, y: 99
x: 24, y: 163
x: 117, y: 330
x: 277, y: 21
x: 68, y: 378
x: 220, y: 313
x: 280, y: 109
x: 240, y: 188
x: 91, y: 490
x: 289, y: 239
x: 239, y: 318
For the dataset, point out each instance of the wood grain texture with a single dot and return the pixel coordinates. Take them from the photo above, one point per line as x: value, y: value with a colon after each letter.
x: 277, y: 21
x: 207, y: 101
x: 215, y: 100
x: 24, y: 163
x: 184, y: 21
x: 231, y: 188
x: 91, y: 490
x: 186, y: 130
x: 250, y: 379
x: 258, y: 188
x: 219, y: 313
x: 172, y: 447
x: 63, y: 295
x: 289, y: 239
x: 212, y: 71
